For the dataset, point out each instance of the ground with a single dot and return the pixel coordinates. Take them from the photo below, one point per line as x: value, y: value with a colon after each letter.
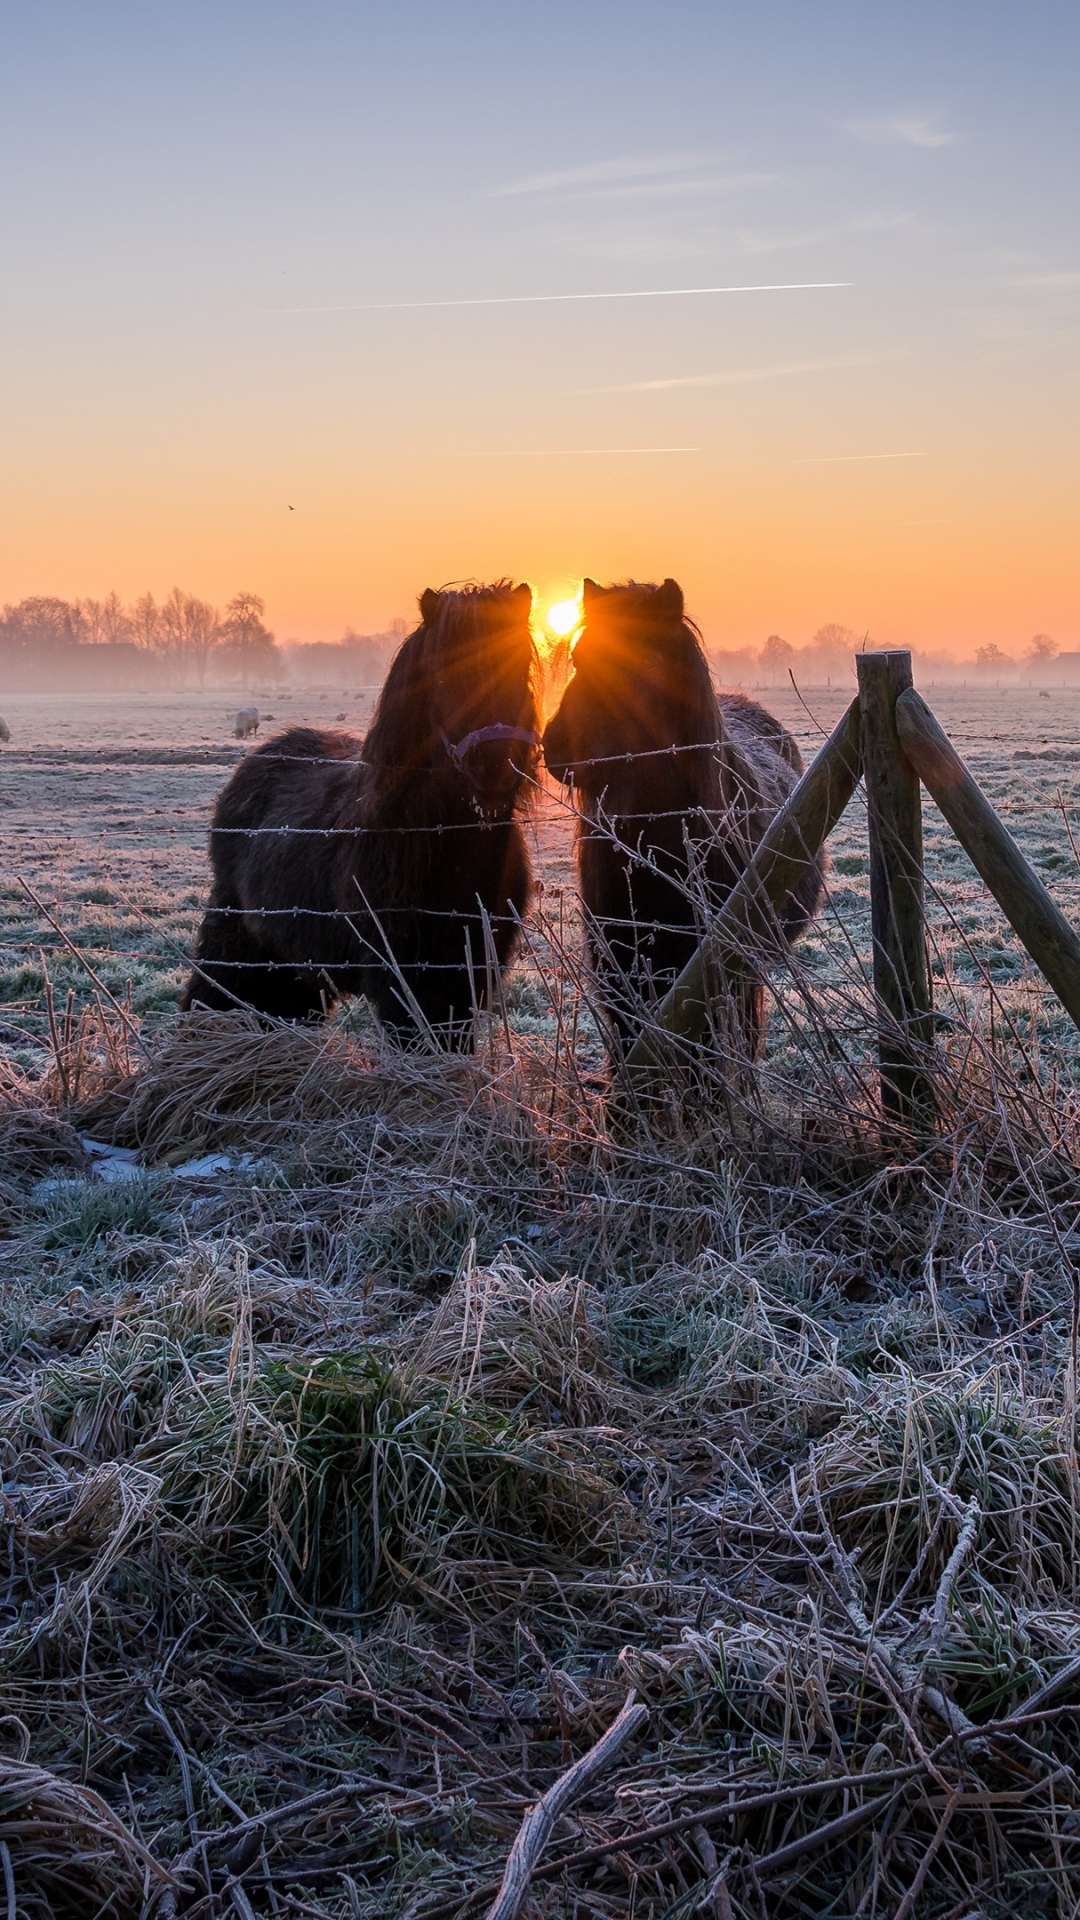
x: 105, y: 804
x: 401, y: 1417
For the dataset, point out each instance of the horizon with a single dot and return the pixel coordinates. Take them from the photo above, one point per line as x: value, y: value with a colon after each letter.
x: 345, y: 305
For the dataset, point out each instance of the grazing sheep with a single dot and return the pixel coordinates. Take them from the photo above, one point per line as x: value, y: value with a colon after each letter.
x: 246, y: 723
x: 5, y: 730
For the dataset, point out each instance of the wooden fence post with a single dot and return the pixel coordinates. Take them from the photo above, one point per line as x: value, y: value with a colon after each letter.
x: 1052, y: 943
x: 901, y: 974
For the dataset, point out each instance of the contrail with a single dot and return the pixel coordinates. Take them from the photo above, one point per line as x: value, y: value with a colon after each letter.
x: 564, y: 453
x: 547, y: 299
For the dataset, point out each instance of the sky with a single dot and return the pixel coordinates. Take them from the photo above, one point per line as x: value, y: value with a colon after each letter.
x: 279, y: 307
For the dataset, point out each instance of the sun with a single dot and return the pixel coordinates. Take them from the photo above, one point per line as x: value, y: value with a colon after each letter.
x: 563, y: 618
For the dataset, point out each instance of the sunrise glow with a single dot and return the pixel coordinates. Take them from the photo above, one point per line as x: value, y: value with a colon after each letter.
x: 563, y: 618
x: 817, y: 365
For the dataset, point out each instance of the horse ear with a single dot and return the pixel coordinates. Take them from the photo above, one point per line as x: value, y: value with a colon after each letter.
x: 523, y: 597
x: 590, y: 591
x: 669, y: 598
x: 429, y: 605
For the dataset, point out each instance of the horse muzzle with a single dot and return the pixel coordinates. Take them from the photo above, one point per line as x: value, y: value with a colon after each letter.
x: 558, y: 752
x: 487, y: 760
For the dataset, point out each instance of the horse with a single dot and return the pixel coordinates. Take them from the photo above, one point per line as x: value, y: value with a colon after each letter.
x: 675, y: 786
x: 396, y: 868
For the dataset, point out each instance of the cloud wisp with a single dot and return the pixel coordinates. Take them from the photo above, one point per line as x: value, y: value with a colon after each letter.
x: 899, y: 129
x: 1052, y: 282
x: 646, y: 190
x: 605, y: 173
x: 733, y: 377
x: 861, y: 223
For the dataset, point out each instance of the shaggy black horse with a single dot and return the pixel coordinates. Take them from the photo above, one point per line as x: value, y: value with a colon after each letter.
x: 397, y: 868
x: 664, y: 836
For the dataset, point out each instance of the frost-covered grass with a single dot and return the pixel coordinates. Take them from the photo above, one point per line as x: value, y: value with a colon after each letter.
x: 384, y: 1463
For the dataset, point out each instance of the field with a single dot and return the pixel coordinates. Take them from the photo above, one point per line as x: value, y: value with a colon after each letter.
x: 105, y: 806
x: 385, y: 1422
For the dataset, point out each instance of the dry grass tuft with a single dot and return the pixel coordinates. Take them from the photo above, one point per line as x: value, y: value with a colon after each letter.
x: 35, y: 1142
x: 519, y: 1342
x: 222, y: 1079
x: 66, y: 1854
x: 346, y: 1493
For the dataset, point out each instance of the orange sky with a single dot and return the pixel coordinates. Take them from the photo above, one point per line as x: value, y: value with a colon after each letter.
x: 212, y: 229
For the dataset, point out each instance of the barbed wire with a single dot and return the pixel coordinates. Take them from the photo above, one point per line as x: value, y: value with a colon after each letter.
x: 364, y: 956
x: 26, y: 756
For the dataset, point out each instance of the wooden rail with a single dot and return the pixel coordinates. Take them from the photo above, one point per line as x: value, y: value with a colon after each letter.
x: 1052, y: 943
x: 889, y: 734
x: 748, y: 922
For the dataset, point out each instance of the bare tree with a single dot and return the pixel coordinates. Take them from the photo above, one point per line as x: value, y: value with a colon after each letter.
x: 91, y: 612
x: 833, y: 638
x: 42, y: 625
x: 202, y: 632
x: 776, y: 654
x: 146, y: 623
x: 1040, y: 649
x: 245, y: 641
x: 991, y: 658
x: 115, y: 619
x: 188, y: 632
x: 105, y: 621
x: 170, y: 633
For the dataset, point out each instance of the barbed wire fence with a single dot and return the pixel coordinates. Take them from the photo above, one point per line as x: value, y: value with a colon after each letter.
x: 90, y: 987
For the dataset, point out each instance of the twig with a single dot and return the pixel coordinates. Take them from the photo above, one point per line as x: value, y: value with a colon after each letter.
x: 535, y: 1829
x: 83, y: 961
x: 728, y: 1809
x: 907, y: 1904
x: 718, y: 1897
x: 54, y: 1033
x: 964, y: 1542
x: 1046, y: 1692
x: 309, y: 1803
x: 156, y: 1712
x: 9, y: 1880
x: 1062, y: 809
x: 824, y: 731
x: 783, y: 1857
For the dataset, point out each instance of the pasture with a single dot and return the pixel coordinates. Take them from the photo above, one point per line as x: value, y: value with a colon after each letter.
x: 389, y: 1422
x: 105, y: 805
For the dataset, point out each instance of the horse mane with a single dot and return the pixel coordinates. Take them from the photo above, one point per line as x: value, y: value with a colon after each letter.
x: 695, y: 714
x: 399, y: 737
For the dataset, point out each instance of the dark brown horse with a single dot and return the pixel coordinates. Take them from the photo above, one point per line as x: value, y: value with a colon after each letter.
x: 395, y: 868
x: 675, y: 787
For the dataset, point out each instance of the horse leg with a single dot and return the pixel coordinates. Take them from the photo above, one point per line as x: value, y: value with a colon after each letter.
x: 219, y: 979
x: 445, y: 1012
x: 232, y: 969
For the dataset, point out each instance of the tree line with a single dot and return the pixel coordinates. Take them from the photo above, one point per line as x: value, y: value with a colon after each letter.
x: 182, y: 632
x: 831, y: 649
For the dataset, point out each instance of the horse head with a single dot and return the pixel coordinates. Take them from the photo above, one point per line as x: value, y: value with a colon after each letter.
x: 478, y: 669
x: 640, y: 685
